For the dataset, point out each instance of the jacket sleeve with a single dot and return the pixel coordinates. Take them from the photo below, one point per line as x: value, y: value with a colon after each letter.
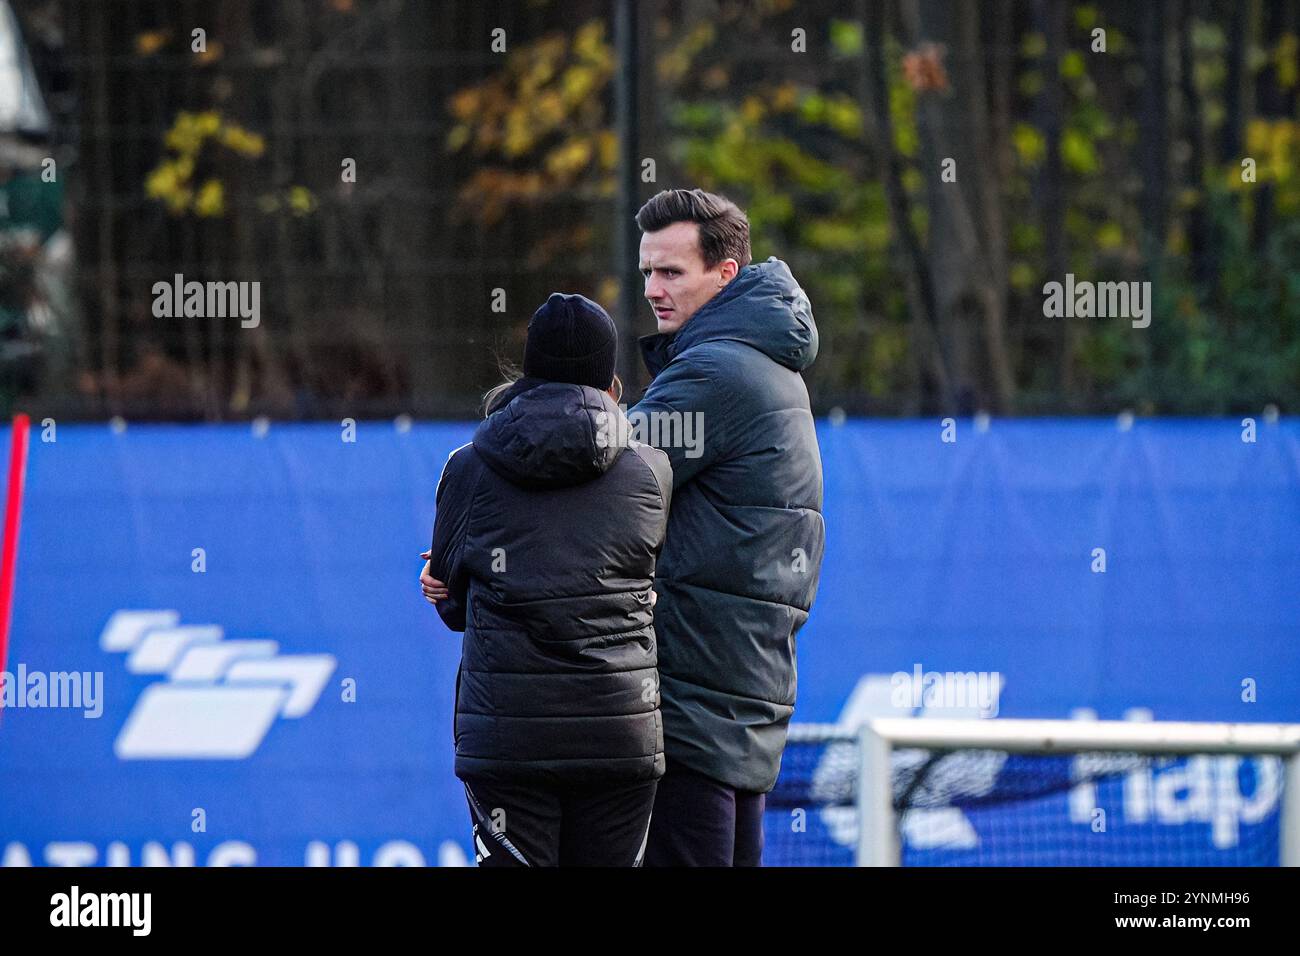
x: 684, y: 412
x: 450, y: 529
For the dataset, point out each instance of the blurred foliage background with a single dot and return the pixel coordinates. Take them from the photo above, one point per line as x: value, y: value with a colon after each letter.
x: 1171, y: 156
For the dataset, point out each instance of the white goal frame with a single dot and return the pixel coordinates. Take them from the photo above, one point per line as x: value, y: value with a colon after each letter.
x: 878, y: 843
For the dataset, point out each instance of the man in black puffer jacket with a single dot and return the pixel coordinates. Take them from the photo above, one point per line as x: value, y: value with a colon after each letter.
x: 745, y: 538
x: 548, y: 528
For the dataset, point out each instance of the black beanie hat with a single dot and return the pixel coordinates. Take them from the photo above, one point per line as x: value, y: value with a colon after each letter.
x: 571, y: 339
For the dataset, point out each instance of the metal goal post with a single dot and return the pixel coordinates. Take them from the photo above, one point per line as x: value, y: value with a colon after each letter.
x: 878, y: 834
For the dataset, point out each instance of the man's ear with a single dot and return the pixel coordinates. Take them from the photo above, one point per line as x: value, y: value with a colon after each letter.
x: 729, y: 268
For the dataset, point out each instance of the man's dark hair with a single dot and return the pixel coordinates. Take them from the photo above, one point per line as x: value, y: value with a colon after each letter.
x: 724, y: 230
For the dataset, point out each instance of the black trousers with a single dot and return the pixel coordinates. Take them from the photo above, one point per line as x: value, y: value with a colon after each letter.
x: 699, y: 821
x: 524, y: 825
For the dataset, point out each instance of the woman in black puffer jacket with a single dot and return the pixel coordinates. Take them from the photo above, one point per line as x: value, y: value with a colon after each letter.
x: 548, y: 527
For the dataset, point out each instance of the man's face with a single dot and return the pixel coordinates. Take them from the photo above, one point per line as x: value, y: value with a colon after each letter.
x: 676, y: 281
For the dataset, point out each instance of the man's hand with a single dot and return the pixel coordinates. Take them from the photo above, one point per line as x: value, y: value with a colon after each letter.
x: 434, y: 590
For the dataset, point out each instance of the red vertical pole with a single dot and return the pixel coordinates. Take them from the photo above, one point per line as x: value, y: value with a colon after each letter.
x: 13, y: 515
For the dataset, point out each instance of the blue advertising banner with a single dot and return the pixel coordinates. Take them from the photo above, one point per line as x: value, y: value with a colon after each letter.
x: 220, y: 655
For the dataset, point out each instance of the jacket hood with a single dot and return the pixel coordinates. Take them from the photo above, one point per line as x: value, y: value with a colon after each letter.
x: 552, y: 434
x: 763, y: 307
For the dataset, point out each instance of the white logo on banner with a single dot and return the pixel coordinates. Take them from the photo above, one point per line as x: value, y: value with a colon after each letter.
x: 220, y: 697
x: 1203, y: 789
x: 923, y: 827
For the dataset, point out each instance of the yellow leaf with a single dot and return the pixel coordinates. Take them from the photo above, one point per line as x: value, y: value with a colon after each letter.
x: 549, y: 109
x: 211, y: 54
x: 608, y: 149
x: 519, y: 133
x: 1029, y: 143
x: 752, y: 110
x: 160, y: 182
x: 242, y: 141
x: 578, y: 82
x: 588, y: 42
x: 1284, y: 61
x: 211, y: 199
x: 302, y: 201
x: 571, y: 157
x: 458, y: 136
x: 149, y: 43
x: 207, y: 123
x: 184, y: 136
x: 1257, y: 136
x: 785, y: 97
x: 465, y: 103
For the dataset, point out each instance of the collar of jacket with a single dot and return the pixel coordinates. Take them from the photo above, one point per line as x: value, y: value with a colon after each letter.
x: 660, y: 348
x: 762, y: 307
x: 655, y: 351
